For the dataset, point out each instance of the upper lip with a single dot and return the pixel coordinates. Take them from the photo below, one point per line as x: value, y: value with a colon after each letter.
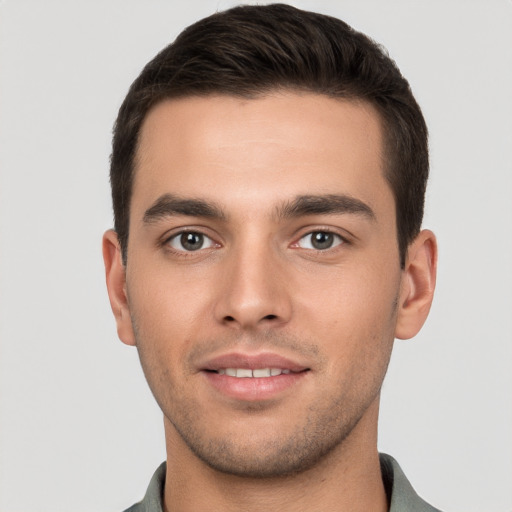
x: 253, y: 362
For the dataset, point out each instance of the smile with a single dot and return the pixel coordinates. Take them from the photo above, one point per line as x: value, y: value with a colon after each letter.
x: 257, y: 373
x: 256, y: 377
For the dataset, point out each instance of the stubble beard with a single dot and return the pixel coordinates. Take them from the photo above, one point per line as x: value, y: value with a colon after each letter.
x: 320, y: 431
x: 276, y: 456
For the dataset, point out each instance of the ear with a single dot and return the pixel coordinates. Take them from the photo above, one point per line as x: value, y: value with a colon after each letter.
x: 418, y: 284
x: 116, y: 285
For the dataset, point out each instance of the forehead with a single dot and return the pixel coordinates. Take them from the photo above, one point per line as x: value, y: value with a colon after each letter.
x: 263, y: 148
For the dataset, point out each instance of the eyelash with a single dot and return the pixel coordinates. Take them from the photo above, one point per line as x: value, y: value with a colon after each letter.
x: 179, y: 237
x: 339, y: 240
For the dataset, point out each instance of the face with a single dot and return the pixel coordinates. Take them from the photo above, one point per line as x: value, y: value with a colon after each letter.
x: 263, y: 280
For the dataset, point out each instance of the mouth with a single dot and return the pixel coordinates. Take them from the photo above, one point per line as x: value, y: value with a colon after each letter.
x: 257, y: 373
x: 264, y: 364
x: 253, y: 378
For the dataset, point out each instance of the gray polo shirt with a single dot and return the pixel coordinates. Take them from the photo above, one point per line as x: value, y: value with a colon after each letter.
x: 403, y: 497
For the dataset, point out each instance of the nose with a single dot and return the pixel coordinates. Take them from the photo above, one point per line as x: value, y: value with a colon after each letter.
x: 254, y: 291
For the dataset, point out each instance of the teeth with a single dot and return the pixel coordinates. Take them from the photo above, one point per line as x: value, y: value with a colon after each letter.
x: 263, y: 372
x: 258, y: 373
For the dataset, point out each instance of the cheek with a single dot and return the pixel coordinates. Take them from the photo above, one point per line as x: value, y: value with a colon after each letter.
x: 358, y: 349
x: 350, y: 297
x: 353, y: 314
x: 164, y: 320
x: 170, y: 300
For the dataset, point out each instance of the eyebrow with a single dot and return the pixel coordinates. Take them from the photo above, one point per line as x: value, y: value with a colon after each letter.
x: 328, y: 204
x: 169, y: 205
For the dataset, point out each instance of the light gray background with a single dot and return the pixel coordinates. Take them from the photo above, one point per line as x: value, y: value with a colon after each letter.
x: 79, y: 429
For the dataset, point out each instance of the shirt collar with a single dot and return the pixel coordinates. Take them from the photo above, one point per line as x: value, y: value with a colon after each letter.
x: 401, y: 495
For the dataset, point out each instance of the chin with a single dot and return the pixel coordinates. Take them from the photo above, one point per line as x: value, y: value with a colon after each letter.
x: 267, y: 456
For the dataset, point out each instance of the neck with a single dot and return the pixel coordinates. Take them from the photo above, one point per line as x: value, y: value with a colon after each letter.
x: 347, y: 479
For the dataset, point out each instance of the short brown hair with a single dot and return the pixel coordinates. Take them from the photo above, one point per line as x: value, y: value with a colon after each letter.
x: 248, y: 51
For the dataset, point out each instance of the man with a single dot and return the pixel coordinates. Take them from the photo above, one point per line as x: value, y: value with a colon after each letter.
x: 268, y: 177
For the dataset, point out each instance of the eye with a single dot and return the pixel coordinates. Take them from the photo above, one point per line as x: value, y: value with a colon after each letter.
x: 320, y: 240
x: 190, y: 241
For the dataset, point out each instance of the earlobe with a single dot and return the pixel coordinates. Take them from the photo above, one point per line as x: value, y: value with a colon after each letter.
x: 116, y: 286
x: 418, y: 284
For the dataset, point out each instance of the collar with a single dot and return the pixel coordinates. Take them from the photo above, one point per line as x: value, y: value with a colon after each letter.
x: 401, y: 495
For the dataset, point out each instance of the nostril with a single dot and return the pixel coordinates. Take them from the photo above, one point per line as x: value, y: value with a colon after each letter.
x: 243, y: 321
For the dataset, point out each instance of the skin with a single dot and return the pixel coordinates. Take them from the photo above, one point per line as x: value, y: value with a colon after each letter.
x: 258, y: 284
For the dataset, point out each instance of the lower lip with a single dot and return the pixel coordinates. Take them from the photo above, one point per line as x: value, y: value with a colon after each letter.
x: 253, y: 389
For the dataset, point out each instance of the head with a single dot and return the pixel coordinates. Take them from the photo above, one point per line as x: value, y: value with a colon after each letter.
x: 250, y: 51
x: 268, y: 174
